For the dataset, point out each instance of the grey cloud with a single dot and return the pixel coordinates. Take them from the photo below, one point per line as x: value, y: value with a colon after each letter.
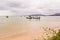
x: 12, y: 4
x: 14, y: 7
x: 8, y: 5
x: 17, y: 5
x: 3, y: 5
x: 2, y: 8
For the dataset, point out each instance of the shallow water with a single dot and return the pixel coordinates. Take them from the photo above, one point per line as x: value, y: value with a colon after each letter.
x: 15, y: 25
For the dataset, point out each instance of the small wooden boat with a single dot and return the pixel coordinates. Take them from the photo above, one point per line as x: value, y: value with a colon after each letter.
x: 29, y: 17
x: 33, y: 17
x: 36, y: 17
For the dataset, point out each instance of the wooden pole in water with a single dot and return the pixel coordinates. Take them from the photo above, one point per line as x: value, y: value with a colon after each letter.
x: 6, y: 16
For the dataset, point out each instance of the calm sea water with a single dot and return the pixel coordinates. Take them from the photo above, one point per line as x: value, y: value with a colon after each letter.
x: 15, y: 24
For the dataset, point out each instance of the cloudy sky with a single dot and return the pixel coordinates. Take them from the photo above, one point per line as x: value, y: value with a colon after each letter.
x: 26, y: 7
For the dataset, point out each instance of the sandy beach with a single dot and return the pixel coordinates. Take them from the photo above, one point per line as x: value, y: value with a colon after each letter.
x: 20, y: 28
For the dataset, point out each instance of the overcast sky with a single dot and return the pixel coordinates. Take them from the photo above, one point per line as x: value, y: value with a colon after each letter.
x: 26, y: 7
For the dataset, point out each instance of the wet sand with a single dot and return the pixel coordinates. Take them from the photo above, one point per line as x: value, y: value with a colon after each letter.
x: 20, y: 28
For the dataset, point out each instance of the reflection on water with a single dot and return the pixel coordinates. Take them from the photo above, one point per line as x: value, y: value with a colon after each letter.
x: 17, y: 24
